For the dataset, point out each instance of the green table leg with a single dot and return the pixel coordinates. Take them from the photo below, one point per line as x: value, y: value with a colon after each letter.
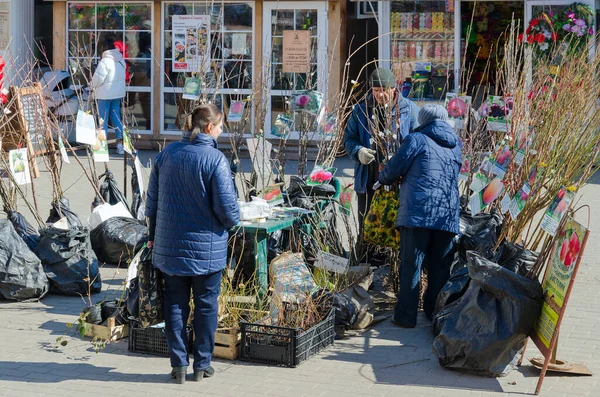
x: 260, y: 261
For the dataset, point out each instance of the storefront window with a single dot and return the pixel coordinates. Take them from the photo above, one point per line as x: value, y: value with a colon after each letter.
x: 422, y: 47
x: 229, y: 77
x: 90, y: 23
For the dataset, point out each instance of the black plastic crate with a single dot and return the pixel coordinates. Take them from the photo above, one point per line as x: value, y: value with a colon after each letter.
x: 284, y: 346
x: 152, y: 340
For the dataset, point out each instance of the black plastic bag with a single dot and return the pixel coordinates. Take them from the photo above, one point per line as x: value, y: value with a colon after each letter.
x: 22, y: 276
x: 138, y: 203
x: 109, y: 190
x: 299, y: 189
x: 115, y: 240
x: 151, y: 286
x: 479, y: 233
x: 490, y: 324
x: 24, y: 229
x: 346, y: 312
x: 454, y: 288
x: 69, y: 261
x: 515, y: 258
x: 65, y: 210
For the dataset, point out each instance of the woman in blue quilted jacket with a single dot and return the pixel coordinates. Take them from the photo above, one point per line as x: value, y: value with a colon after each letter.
x: 191, y: 204
x: 427, y: 165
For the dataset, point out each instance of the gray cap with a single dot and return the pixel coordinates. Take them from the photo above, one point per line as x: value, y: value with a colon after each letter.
x: 382, y: 77
x: 431, y: 112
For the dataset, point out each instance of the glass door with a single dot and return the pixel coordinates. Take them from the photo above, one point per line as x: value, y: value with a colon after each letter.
x: 283, y: 86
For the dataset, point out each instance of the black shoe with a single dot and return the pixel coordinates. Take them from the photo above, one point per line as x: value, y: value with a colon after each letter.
x: 199, y: 374
x: 403, y: 325
x: 178, y: 373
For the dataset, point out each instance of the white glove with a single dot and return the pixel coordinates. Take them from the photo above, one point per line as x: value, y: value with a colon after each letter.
x: 366, y: 156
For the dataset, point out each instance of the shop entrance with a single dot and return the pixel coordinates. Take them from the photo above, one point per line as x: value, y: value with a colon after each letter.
x: 278, y: 17
x: 482, y: 36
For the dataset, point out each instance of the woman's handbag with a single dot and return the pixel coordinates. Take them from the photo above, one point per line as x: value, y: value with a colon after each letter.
x: 151, y: 287
x: 380, y: 222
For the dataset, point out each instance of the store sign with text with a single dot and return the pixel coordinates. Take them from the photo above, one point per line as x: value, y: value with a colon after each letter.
x: 191, y: 43
x: 296, y: 51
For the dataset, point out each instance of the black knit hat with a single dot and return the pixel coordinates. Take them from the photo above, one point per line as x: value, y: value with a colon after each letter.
x: 382, y: 77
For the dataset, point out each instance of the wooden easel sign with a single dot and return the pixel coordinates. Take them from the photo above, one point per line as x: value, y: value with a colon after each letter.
x: 557, y: 285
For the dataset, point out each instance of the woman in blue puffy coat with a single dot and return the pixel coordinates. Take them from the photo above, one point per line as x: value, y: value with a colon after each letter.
x: 191, y: 203
x: 427, y: 165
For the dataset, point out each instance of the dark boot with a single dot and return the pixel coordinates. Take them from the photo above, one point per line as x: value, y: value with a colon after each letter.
x: 178, y: 373
x: 199, y: 374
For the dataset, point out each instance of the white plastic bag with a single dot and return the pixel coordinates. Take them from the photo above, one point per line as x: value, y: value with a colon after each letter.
x: 107, y: 211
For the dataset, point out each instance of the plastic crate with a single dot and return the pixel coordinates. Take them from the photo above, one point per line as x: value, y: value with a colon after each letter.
x: 152, y: 340
x: 284, y: 346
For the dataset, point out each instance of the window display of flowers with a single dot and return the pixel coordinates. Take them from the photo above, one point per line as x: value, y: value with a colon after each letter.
x: 567, y: 26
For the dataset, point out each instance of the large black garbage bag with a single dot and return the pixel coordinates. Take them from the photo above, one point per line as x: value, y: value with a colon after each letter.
x: 479, y: 233
x: 346, y: 312
x: 115, y: 240
x: 109, y: 190
x: 454, y: 288
x: 515, y: 258
x: 69, y: 261
x: 65, y: 210
x: 24, y: 229
x: 22, y: 276
x: 299, y: 189
x: 138, y: 203
x: 491, y: 322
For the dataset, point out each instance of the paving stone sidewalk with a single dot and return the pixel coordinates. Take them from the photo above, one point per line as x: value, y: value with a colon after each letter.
x: 382, y: 361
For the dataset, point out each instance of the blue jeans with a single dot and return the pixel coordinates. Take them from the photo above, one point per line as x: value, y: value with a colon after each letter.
x: 422, y: 247
x: 111, y: 108
x: 206, y: 290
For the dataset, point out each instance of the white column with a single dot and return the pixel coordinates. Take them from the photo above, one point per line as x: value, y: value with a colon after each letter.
x: 19, y: 52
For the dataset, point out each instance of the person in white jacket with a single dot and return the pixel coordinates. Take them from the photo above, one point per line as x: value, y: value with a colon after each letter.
x: 108, y: 84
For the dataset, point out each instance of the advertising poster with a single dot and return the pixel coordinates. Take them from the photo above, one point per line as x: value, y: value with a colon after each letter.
x: 191, y: 43
x: 558, y: 278
x: 296, y: 51
x: 19, y: 166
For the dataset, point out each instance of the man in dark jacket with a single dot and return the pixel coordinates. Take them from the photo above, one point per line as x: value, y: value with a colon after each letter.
x: 367, y: 121
x: 428, y: 163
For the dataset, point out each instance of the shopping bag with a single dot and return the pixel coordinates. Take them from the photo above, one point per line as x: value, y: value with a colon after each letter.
x: 151, y: 287
x: 380, y: 222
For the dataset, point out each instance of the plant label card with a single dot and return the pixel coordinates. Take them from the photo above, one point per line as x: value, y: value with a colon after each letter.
x: 320, y: 175
x: 479, y: 182
x: 191, y: 89
x: 63, y: 151
x: 308, y: 101
x: 332, y: 263
x: 327, y: 125
x: 557, y: 210
x: 236, y: 111
x: 100, y: 148
x: 465, y: 168
x: 476, y: 203
x: 346, y: 198
x: 85, y: 128
x: 19, y: 166
x: 505, y: 203
x: 273, y: 195
x: 518, y: 202
x: 457, y: 106
x: 282, y: 126
x: 238, y: 44
x: 501, y: 161
x: 499, y: 109
x: 127, y: 144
